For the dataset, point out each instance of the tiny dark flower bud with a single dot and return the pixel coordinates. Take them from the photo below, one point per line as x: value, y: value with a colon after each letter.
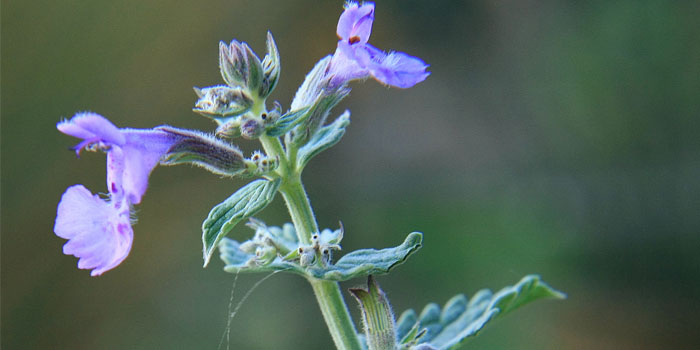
x: 260, y: 164
x: 307, y: 256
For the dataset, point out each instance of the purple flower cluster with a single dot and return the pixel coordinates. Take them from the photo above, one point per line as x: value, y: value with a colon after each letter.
x: 355, y: 58
x: 99, y: 231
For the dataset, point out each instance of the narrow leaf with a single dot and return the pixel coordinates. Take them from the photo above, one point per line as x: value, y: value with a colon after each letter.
x: 325, y: 138
x: 246, y: 202
x: 287, y: 122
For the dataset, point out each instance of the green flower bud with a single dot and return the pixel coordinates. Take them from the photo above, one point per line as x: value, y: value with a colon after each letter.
x: 229, y: 129
x: 271, y: 68
x: 221, y: 101
x: 240, y: 67
x: 251, y: 128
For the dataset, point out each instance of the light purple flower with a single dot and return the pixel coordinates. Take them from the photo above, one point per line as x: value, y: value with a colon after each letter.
x: 355, y: 58
x: 131, y: 153
x: 99, y: 231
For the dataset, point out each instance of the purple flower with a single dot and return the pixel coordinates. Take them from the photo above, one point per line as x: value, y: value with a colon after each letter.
x: 355, y: 58
x: 99, y: 231
x: 131, y: 153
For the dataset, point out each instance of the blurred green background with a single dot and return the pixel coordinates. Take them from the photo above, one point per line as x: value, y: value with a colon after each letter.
x: 553, y: 137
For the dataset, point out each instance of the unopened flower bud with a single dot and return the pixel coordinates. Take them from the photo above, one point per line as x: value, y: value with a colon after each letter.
x: 248, y: 247
x: 270, y: 67
x: 251, y: 129
x: 307, y: 256
x: 265, y: 255
x: 229, y: 129
x: 240, y: 67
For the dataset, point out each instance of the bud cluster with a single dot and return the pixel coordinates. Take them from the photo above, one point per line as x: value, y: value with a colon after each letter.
x: 239, y: 106
x: 259, y: 164
x: 269, y: 242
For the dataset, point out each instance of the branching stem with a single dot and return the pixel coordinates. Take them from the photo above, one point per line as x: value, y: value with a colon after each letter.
x: 328, y: 295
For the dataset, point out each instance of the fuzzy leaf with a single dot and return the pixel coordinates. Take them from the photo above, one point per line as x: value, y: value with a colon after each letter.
x: 359, y: 263
x: 325, y: 138
x: 460, y: 318
x: 287, y: 122
x: 241, y: 205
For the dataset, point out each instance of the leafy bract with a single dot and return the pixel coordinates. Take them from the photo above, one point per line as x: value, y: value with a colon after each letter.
x: 241, y: 205
x: 359, y: 263
x: 287, y: 121
x: 324, y: 138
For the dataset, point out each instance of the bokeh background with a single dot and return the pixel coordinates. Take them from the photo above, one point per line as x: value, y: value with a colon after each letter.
x: 553, y: 137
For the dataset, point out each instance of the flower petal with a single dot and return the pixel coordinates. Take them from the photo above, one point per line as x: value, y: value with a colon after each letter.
x: 355, y: 24
x: 398, y: 69
x: 99, y: 232
x: 91, y: 127
x: 143, y: 150
x: 344, y: 65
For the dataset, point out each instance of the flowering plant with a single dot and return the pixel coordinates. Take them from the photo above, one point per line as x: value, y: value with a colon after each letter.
x: 99, y: 228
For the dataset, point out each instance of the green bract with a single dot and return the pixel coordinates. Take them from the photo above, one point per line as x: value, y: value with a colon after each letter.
x: 242, y: 257
x: 243, y: 204
x: 460, y: 318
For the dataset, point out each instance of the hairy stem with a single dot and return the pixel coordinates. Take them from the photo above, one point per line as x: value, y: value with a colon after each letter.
x: 335, y: 311
x: 330, y: 300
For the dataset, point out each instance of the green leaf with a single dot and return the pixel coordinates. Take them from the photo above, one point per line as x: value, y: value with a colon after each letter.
x: 325, y: 138
x: 359, y: 263
x: 460, y: 318
x: 241, y: 205
x: 287, y: 122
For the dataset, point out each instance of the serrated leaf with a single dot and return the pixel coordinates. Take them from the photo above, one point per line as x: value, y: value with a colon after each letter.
x: 241, y: 205
x: 325, y: 138
x: 287, y: 122
x: 460, y: 318
x: 359, y: 263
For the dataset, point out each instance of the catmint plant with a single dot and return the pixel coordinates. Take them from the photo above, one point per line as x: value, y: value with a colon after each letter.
x: 99, y: 227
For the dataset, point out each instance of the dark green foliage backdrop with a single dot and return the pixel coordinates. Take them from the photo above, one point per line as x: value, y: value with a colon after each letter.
x: 559, y: 138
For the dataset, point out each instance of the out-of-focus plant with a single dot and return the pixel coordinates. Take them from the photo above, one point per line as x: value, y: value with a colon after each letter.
x: 100, y: 234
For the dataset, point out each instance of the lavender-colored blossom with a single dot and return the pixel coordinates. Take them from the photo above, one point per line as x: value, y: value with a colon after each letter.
x: 355, y: 58
x: 99, y: 231
x: 131, y: 153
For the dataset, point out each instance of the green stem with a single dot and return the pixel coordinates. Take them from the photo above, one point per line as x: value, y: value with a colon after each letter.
x: 330, y: 300
x: 335, y: 311
x: 273, y: 147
